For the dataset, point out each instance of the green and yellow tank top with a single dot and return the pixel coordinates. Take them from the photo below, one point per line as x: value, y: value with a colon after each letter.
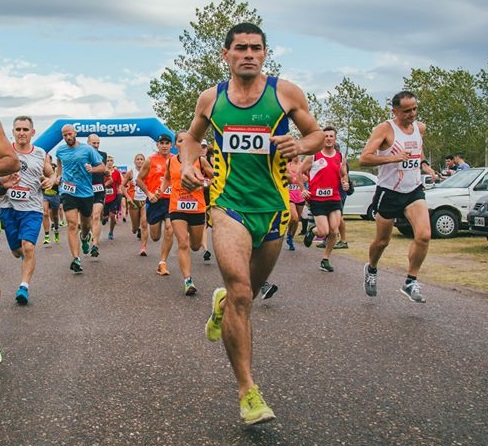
x: 249, y: 172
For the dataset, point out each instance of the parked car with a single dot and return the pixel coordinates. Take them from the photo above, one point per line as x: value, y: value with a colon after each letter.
x: 450, y: 201
x: 359, y: 203
x: 428, y: 182
x: 478, y: 217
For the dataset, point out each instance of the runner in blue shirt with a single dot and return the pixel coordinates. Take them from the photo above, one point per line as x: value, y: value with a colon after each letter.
x: 76, y: 164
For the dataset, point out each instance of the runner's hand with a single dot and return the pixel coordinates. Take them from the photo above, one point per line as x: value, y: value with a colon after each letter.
x: 288, y: 146
x: 191, y: 178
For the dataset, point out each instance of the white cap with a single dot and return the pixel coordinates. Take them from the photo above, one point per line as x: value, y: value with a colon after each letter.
x: 204, y: 142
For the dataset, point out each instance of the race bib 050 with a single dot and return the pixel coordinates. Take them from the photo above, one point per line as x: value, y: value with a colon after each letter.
x: 246, y: 139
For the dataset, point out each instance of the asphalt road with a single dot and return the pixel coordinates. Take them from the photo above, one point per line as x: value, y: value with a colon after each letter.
x: 118, y: 356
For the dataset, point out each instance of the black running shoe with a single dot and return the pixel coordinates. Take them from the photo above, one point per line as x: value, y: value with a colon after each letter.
x: 309, y: 236
x: 326, y: 266
x: 267, y: 290
x: 94, y: 252
x: 76, y: 266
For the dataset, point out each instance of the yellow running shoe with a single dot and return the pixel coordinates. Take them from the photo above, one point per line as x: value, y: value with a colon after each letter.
x: 254, y: 409
x: 213, y: 327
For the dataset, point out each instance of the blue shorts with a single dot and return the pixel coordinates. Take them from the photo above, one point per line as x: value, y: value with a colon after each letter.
x: 54, y: 201
x: 21, y: 225
x: 157, y: 212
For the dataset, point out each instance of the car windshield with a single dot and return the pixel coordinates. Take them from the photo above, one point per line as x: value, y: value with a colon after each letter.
x: 463, y: 178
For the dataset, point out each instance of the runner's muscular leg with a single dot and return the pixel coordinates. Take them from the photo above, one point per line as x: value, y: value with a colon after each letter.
x: 73, y: 240
x: 234, y: 266
x: 334, y: 219
x: 263, y: 260
x: 384, y: 227
x: 167, y: 239
x: 417, y: 214
x: 322, y: 228
x: 180, y: 230
x: 29, y: 262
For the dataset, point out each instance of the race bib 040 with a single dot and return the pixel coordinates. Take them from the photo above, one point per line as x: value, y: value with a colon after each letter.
x: 328, y: 192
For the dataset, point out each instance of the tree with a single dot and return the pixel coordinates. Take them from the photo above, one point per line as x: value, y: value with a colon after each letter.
x: 176, y: 91
x: 354, y: 113
x: 453, y: 104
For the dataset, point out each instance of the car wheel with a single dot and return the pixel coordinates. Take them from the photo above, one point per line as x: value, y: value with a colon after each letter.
x: 405, y: 230
x: 444, y: 224
x: 371, y: 215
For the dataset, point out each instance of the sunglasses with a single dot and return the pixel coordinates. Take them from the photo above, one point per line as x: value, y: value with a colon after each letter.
x: 22, y: 129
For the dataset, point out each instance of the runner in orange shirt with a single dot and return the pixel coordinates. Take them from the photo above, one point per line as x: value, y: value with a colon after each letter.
x: 149, y: 180
x: 186, y: 212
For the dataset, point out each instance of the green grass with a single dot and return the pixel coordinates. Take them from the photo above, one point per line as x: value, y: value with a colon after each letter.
x: 459, y: 263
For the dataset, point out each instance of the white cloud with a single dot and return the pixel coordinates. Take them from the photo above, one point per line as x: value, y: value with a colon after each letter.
x: 25, y: 92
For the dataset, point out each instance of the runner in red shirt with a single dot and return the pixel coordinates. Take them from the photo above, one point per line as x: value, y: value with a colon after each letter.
x: 112, y: 187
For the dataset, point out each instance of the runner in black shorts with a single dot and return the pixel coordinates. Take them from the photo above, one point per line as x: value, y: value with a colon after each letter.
x: 390, y: 204
x: 396, y: 146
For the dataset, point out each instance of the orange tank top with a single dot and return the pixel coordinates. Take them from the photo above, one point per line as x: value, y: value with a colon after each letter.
x: 157, y: 169
x: 182, y: 200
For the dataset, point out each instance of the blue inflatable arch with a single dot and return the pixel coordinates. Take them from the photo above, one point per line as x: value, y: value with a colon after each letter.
x: 151, y: 127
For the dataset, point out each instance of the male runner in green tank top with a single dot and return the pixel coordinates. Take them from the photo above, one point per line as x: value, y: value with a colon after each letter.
x: 249, y: 195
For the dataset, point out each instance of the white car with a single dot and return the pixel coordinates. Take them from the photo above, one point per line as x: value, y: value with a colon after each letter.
x: 359, y: 203
x: 450, y: 201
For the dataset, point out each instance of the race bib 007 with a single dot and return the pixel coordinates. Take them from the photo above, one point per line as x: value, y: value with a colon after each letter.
x: 187, y: 205
x: 250, y: 139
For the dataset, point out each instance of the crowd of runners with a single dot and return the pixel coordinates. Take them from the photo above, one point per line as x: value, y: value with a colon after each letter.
x: 251, y: 187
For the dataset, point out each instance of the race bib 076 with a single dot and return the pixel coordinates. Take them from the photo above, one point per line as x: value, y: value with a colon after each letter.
x: 68, y: 188
x: 246, y: 139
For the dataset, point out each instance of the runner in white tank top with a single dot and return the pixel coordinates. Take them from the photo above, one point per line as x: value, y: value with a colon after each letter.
x: 396, y: 146
x: 402, y: 176
x: 21, y: 208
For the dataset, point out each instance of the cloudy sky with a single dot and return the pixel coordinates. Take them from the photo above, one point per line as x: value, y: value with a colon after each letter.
x: 94, y: 59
